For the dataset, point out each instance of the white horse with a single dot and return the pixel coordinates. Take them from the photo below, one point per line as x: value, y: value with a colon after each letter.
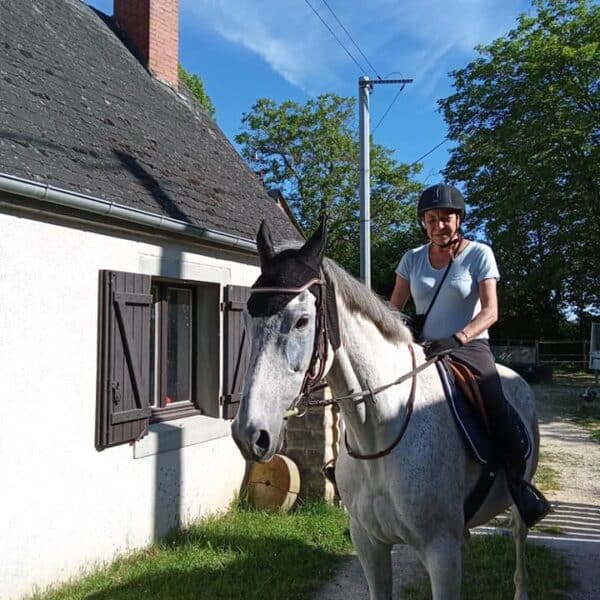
x: 413, y: 494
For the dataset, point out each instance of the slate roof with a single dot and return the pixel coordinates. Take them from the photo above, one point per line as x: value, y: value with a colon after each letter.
x: 78, y: 111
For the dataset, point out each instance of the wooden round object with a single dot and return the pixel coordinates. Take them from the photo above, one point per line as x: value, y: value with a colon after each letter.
x: 274, y: 485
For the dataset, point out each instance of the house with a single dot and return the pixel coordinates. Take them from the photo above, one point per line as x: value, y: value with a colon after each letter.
x: 127, y: 223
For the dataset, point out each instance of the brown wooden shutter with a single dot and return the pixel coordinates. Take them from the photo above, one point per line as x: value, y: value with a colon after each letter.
x: 123, y: 399
x: 236, y: 348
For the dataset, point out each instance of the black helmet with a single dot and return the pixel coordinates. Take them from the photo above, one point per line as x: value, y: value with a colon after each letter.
x: 441, y: 195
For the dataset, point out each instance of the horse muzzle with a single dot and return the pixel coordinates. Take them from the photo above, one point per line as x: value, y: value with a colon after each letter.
x: 255, y: 444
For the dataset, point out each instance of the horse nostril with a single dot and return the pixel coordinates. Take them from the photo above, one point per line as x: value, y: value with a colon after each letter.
x: 262, y: 442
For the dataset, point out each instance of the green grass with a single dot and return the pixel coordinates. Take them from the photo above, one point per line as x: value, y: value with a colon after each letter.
x: 575, y: 376
x: 248, y: 555
x: 591, y: 422
x: 547, y: 478
x: 551, y: 529
x: 489, y: 567
x: 244, y: 554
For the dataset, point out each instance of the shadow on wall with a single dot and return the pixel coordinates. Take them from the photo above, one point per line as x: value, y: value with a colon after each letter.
x: 168, y: 465
x: 168, y: 474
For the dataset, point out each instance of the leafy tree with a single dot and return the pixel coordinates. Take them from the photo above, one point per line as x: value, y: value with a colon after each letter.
x: 311, y: 152
x: 526, y: 121
x: 194, y: 83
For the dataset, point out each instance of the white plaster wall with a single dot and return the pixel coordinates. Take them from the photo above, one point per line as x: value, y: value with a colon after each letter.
x: 64, y: 506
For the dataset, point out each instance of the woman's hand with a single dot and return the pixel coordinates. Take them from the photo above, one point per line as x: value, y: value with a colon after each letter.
x: 443, y: 346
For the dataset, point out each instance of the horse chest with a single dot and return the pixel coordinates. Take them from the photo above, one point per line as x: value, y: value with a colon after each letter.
x: 384, y: 517
x: 385, y: 506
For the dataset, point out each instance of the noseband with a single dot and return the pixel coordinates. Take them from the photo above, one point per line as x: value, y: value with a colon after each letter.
x: 318, y: 359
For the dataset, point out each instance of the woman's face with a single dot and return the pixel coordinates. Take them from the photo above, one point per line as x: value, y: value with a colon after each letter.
x: 441, y: 225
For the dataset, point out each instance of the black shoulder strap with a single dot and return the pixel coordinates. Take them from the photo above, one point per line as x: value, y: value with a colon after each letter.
x: 437, y: 291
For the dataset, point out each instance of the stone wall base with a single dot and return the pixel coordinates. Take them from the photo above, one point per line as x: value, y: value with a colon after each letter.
x: 311, y: 442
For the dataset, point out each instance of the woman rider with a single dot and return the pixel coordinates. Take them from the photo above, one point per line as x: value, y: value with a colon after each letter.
x: 457, y: 321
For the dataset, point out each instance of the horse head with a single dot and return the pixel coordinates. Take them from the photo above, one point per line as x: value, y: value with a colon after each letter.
x: 283, y: 326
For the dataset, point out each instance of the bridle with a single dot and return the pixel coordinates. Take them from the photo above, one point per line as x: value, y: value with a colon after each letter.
x: 318, y: 361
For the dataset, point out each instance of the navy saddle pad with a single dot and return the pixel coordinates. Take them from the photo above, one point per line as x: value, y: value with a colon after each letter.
x: 470, y: 423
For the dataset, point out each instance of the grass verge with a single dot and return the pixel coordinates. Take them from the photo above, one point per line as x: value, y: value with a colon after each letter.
x: 547, y: 478
x: 244, y: 554
x: 591, y: 423
x: 249, y: 555
x: 489, y: 565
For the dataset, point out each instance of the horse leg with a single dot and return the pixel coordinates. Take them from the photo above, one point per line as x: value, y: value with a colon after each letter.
x: 519, y: 531
x: 442, y: 558
x: 376, y: 560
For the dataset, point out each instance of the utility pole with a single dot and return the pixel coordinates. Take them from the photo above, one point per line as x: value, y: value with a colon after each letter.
x: 365, y: 87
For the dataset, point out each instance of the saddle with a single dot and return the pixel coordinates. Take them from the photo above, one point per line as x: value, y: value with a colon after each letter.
x: 471, y: 419
x: 466, y: 382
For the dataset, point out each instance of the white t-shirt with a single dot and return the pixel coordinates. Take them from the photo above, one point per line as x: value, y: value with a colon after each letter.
x: 458, y: 300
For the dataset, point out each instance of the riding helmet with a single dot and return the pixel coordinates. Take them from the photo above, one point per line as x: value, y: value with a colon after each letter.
x: 441, y: 195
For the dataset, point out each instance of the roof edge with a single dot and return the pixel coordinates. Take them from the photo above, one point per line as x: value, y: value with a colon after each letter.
x: 99, y: 206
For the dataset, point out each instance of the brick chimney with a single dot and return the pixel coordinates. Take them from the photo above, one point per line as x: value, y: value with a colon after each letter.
x: 153, y: 26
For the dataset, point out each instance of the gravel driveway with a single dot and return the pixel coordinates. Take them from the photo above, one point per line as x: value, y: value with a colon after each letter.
x: 567, y: 448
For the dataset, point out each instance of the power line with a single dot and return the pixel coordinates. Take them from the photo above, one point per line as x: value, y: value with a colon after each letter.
x: 351, y: 38
x: 388, y: 109
x: 360, y: 68
x: 428, y: 153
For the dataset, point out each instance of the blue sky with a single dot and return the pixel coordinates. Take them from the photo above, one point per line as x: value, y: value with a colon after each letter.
x: 248, y: 49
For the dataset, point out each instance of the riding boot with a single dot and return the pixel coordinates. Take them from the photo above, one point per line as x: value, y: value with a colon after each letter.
x: 530, y: 502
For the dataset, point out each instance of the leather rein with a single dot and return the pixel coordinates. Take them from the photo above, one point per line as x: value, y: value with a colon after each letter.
x: 316, y: 369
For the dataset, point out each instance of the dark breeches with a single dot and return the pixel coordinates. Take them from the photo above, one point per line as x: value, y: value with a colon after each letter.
x: 479, y: 357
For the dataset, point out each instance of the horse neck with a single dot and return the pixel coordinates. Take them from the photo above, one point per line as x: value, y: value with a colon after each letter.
x: 366, y: 359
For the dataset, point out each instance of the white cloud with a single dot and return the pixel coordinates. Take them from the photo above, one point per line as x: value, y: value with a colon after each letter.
x: 285, y: 34
x: 423, y: 39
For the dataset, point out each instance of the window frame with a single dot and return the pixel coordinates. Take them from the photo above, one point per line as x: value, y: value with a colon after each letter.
x: 187, y: 408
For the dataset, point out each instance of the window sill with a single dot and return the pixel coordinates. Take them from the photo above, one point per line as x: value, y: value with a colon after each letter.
x: 174, y: 412
x: 178, y: 433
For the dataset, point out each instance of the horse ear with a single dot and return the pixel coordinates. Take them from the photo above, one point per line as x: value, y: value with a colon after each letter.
x: 264, y: 243
x: 314, y: 248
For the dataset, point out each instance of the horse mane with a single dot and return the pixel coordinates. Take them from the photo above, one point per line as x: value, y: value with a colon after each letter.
x: 359, y: 298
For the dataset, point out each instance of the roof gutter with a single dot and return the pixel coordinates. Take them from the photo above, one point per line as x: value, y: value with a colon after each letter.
x: 98, y: 206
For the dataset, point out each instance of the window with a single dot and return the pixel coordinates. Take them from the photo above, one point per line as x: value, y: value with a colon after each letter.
x: 164, y: 352
x: 172, y: 351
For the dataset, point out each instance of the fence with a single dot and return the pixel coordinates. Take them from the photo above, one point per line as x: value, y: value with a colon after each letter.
x: 565, y: 353
x: 571, y: 353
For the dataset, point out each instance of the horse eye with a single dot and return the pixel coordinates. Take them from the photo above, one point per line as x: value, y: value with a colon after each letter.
x: 302, y: 322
